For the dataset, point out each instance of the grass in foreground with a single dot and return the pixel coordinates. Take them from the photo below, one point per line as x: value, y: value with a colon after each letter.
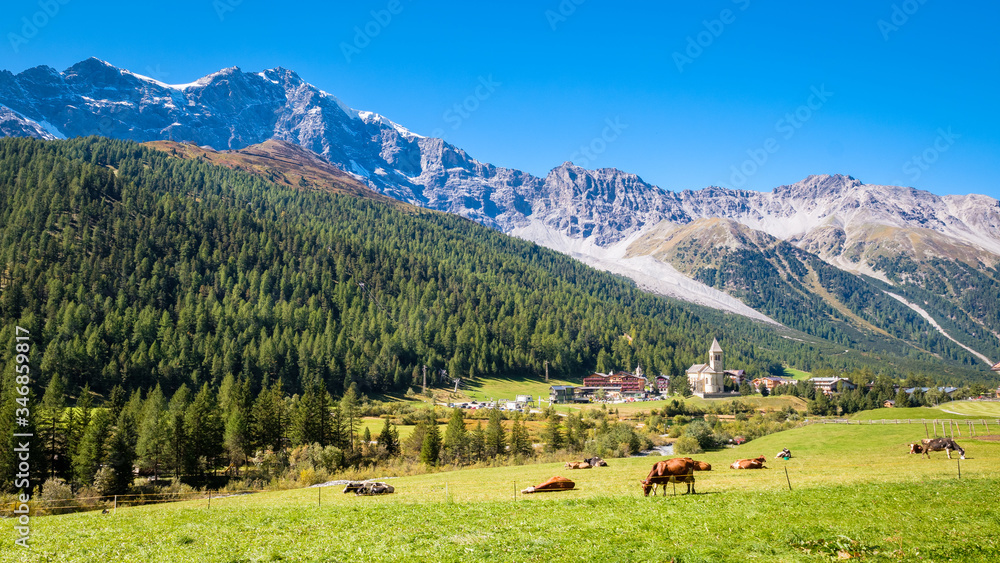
x: 854, y: 489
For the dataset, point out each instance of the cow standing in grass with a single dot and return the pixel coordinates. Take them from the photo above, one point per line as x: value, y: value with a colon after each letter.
x: 929, y: 445
x: 676, y: 470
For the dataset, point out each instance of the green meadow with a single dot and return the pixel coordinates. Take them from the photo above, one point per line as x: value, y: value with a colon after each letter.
x: 854, y: 492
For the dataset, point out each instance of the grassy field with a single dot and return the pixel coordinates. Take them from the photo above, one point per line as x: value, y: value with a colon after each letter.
x: 797, y: 373
x: 967, y: 408
x: 853, y: 489
x: 979, y: 409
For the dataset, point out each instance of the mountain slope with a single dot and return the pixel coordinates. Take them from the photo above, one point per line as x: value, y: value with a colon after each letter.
x: 939, y: 252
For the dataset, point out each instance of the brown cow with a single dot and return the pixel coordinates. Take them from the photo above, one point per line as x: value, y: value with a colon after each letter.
x: 916, y: 449
x: 756, y: 463
x: 578, y: 465
x: 676, y: 470
x: 556, y: 483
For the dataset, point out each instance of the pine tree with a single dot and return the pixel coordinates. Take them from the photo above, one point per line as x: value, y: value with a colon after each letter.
x: 91, y: 454
x: 237, y: 437
x: 269, y: 418
x: 430, y: 449
x: 204, y: 428
x: 477, y: 442
x: 351, y: 411
x: 552, y: 434
x: 455, y: 437
x: 177, y: 436
x: 153, y: 432
x: 53, y: 407
x: 121, y: 453
x: 495, y: 438
x: 520, y: 441
x: 389, y: 439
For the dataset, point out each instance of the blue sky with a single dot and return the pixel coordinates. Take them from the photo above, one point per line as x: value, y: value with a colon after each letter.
x: 737, y: 93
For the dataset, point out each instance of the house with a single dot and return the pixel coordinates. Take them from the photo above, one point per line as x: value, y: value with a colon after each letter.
x: 707, y: 379
x: 830, y: 385
x: 524, y: 399
x: 562, y: 393
x: 737, y: 375
x: 662, y: 382
x: 889, y: 404
x: 770, y: 382
x: 946, y: 390
x: 621, y: 382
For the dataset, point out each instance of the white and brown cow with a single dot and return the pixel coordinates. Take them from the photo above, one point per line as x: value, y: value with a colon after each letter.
x: 756, y: 463
x: 928, y: 445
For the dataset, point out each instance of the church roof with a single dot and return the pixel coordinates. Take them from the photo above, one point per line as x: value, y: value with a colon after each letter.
x: 715, y: 346
x: 700, y: 368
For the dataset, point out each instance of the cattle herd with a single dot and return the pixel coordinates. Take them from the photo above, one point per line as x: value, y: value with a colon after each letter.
x: 676, y: 470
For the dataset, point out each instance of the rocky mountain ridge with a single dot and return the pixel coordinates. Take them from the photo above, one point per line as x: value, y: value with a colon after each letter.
x: 898, y: 236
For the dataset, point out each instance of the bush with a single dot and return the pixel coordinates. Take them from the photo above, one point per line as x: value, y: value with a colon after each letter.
x: 702, y: 432
x: 687, y: 445
x: 57, y: 497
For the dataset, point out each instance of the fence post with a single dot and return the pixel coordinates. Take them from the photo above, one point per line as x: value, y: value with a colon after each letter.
x: 959, y: 460
x: 787, y: 479
x: 116, y: 504
x: 210, y: 499
x: 926, y: 433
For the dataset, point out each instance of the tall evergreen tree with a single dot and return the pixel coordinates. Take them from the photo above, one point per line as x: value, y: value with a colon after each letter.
x: 520, y: 440
x: 153, y: 437
x: 53, y: 409
x: 430, y: 450
x: 455, y: 437
x: 552, y: 435
x: 204, y: 428
x: 91, y: 453
x: 496, y: 439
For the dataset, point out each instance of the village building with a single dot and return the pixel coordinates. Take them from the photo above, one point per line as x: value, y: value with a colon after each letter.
x: 709, y: 379
x: 770, y: 382
x: 621, y: 383
x: 830, y: 385
x: 662, y: 382
x: 562, y: 394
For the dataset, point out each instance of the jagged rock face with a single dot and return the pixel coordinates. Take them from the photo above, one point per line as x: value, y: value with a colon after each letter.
x: 232, y: 109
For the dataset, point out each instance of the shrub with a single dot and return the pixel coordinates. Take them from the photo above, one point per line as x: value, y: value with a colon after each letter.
x: 57, y: 497
x: 702, y: 432
x: 687, y: 445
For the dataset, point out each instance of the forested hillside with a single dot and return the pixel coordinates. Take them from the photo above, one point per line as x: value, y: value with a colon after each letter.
x: 132, y: 267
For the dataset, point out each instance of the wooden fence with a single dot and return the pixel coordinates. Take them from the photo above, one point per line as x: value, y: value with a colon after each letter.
x: 950, y: 427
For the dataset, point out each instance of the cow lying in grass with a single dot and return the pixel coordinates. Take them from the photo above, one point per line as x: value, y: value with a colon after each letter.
x: 785, y: 453
x: 369, y: 488
x: 587, y: 463
x: 928, y: 445
x: 676, y: 470
x: 756, y: 463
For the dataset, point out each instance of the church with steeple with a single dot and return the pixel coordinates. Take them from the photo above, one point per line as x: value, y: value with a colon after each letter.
x: 708, y: 379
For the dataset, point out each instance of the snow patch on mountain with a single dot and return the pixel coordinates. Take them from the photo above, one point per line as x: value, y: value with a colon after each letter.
x: 927, y: 317
x: 648, y: 273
